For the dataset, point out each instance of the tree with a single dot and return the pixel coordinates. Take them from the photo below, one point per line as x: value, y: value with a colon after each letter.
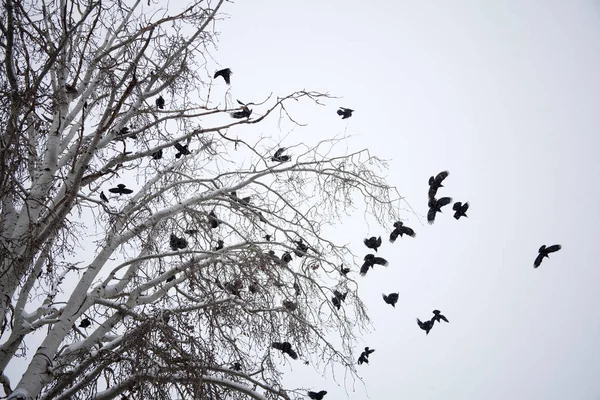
x: 185, y: 285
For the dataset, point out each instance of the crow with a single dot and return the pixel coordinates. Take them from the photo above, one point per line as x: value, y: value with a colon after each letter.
x: 225, y: 73
x: 301, y: 248
x: 344, y: 271
x: 267, y: 238
x: 236, y: 366
x: 436, y: 183
x: 336, y: 302
x: 219, y: 245
x: 317, y: 395
x: 435, y: 206
x: 286, y: 257
x: 345, y: 112
x: 182, y: 150
x: 437, y: 317
x: 177, y: 243
x: 461, y: 209
x: 85, y: 323
x: 373, y: 242
x: 160, y: 103
x: 426, y: 326
x: 364, y: 356
x: 370, y: 261
x: 290, y: 305
x: 286, y: 348
x: 543, y: 252
x: 171, y: 278
x: 157, y: 155
x: 279, y: 157
x: 120, y: 189
x: 213, y: 221
x: 400, y: 230
x: 103, y: 197
x: 244, y: 113
x: 391, y: 299
x: 124, y: 132
x: 338, y: 299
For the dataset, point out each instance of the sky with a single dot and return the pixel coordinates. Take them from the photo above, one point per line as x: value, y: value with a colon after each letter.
x: 504, y: 95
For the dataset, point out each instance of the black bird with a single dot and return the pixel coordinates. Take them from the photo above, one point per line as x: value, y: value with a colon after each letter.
x: 120, y: 189
x: 438, y: 317
x: 286, y: 348
x: 338, y: 298
x: 317, y: 395
x: 370, y: 261
x: 344, y: 271
x: 182, y: 150
x: 236, y: 366
x: 103, y: 197
x: 364, y: 356
x: 85, y: 323
x: 435, y: 206
x: 436, y: 182
x: 279, y: 157
x: 401, y: 230
x: 234, y: 287
x: 160, y: 103
x: 225, y: 73
x: 124, y: 132
x: 244, y: 113
x: 426, y: 326
x: 543, y: 252
x: 177, y: 243
x: 336, y: 302
x: 267, y: 238
x: 373, y: 242
x: 301, y: 248
x: 219, y: 245
x: 345, y: 112
x: 461, y: 209
x: 213, y: 221
x: 290, y: 305
x: 157, y: 155
x: 391, y: 299
x: 286, y: 257
x: 171, y: 278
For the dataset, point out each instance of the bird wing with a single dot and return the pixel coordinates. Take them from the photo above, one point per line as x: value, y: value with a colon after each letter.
x: 538, y: 260
x: 457, y: 206
x: 420, y: 323
x: 378, y: 241
x: 114, y: 190
x: 553, y: 248
x: 444, y: 201
x: 179, y: 147
x: 408, y: 231
x: 385, y: 298
x: 366, y: 242
x: 365, y: 268
x: 444, y: 318
x: 279, y: 152
x: 441, y: 176
x: 292, y: 353
x: 431, y: 215
x: 465, y: 207
x: 394, y: 235
x: 380, y: 261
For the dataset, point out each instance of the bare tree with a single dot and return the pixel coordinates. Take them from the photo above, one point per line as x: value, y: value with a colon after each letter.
x: 201, y: 259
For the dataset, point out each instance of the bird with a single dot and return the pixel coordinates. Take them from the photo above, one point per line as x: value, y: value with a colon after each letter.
x: 400, y: 230
x: 177, y: 243
x: 236, y: 366
x: 435, y: 206
x: 225, y: 73
x: 301, y: 248
x: 543, y: 252
x: 213, y: 221
x: 267, y: 237
x: 157, y: 155
x: 438, y: 317
x: 373, y: 242
x: 344, y: 271
x: 370, y: 261
x: 103, y: 197
x: 120, y: 189
x: 171, y: 278
x: 364, y: 356
x: 182, y: 150
x: 286, y: 257
x: 461, y: 209
x: 285, y: 348
x: 338, y: 298
x: 289, y: 305
x: 426, y: 326
x: 436, y: 182
x: 391, y: 299
x: 345, y: 112
x: 160, y: 103
x: 219, y: 245
x: 317, y: 395
x: 85, y: 323
x: 279, y: 157
x: 244, y: 113
x: 234, y: 287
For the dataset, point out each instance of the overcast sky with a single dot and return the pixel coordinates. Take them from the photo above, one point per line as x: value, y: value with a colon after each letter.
x: 505, y: 96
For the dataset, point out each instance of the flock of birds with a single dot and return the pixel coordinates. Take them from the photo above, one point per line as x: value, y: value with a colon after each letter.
x: 370, y: 260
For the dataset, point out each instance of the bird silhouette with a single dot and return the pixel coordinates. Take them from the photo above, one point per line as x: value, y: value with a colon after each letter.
x: 103, y: 197
x: 171, y: 278
x: 244, y: 113
x: 286, y: 257
x: 364, y: 356
x: 373, y: 242
x: 236, y: 366
x: 401, y: 230
x: 344, y: 271
x: 436, y: 182
x: 338, y: 298
x: 120, y: 189
x: 160, y: 103
x: 426, y: 326
x: 157, y: 155
x: 435, y: 206
x: 267, y: 238
x: 225, y: 73
x: 177, y: 243
x: 124, y: 131
x: 391, y: 299
x: 219, y: 245
x: 438, y: 317
x: 213, y: 221
x: 370, y: 261
x: 279, y: 157
x: 460, y: 209
x: 234, y: 287
x: 85, y: 323
x: 301, y: 248
x: 345, y: 112
x: 285, y: 348
x: 289, y: 305
x: 317, y: 395
x: 543, y: 252
x: 182, y: 150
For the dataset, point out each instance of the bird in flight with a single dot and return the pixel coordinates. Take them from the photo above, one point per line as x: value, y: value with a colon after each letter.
x: 285, y: 348
x: 182, y: 149
x: 279, y: 157
x: 426, y: 326
x: 370, y: 261
x: 244, y: 113
x: 391, y: 299
x: 543, y: 252
x: 225, y: 73
x: 400, y: 230
x: 317, y: 395
x: 338, y: 298
x: 160, y: 103
x: 364, y: 356
x: 436, y: 182
x: 120, y: 189
x: 373, y: 242
x: 438, y: 317
x: 177, y: 243
x: 345, y: 112
x: 461, y: 209
x: 157, y: 155
x: 435, y: 206
x: 103, y: 197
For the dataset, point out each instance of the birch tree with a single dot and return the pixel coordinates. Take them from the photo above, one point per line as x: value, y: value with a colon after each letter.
x: 189, y: 272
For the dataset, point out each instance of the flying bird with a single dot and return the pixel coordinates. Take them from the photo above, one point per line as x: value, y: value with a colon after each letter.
x: 438, y: 317
x: 401, y: 230
x: 213, y: 221
x: 103, y: 197
x: 364, y: 356
x: 286, y: 348
x: 182, y: 150
x: 391, y: 299
x: 373, y: 242
x: 370, y: 261
x: 279, y: 157
x: 435, y: 206
x: 160, y: 103
x: 157, y: 155
x: 338, y: 298
x: 85, y: 323
x: 461, y: 209
x: 225, y: 73
x: 345, y: 112
x: 317, y: 395
x: 177, y: 243
x: 344, y: 271
x: 426, y: 326
x: 301, y: 248
x: 436, y: 182
x: 120, y: 189
x: 244, y: 113
x: 543, y: 252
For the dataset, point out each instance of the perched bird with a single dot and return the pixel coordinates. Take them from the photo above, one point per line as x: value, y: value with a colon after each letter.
x: 336, y: 302
x: 437, y: 317
x: 436, y: 183
x: 286, y: 257
x: 160, y: 103
x: 177, y: 243
x: 85, y: 323
x: 301, y: 248
x: 219, y: 245
x: 391, y: 299
x: 401, y: 230
x: 435, y: 206
x: 338, y: 298
x: 426, y: 326
x: 461, y: 209
x: 370, y: 261
x: 120, y: 189
x: 236, y: 366
x: 182, y: 150
x: 213, y: 221
x: 317, y: 395
x: 267, y: 238
x: 344, y: 271
x: 244, y: 113
x: 290, y: 305
x: 103, y: 197
x: 543, y: 252
x: 225, y: 73
x: 364, y: 356
x: 286, y: 348
x: 157, y: 155
x: 345, y: 112
x: 373, y: 242
x: 279, y: 157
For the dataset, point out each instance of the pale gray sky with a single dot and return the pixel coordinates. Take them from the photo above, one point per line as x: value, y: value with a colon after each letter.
x: 505, y: 96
